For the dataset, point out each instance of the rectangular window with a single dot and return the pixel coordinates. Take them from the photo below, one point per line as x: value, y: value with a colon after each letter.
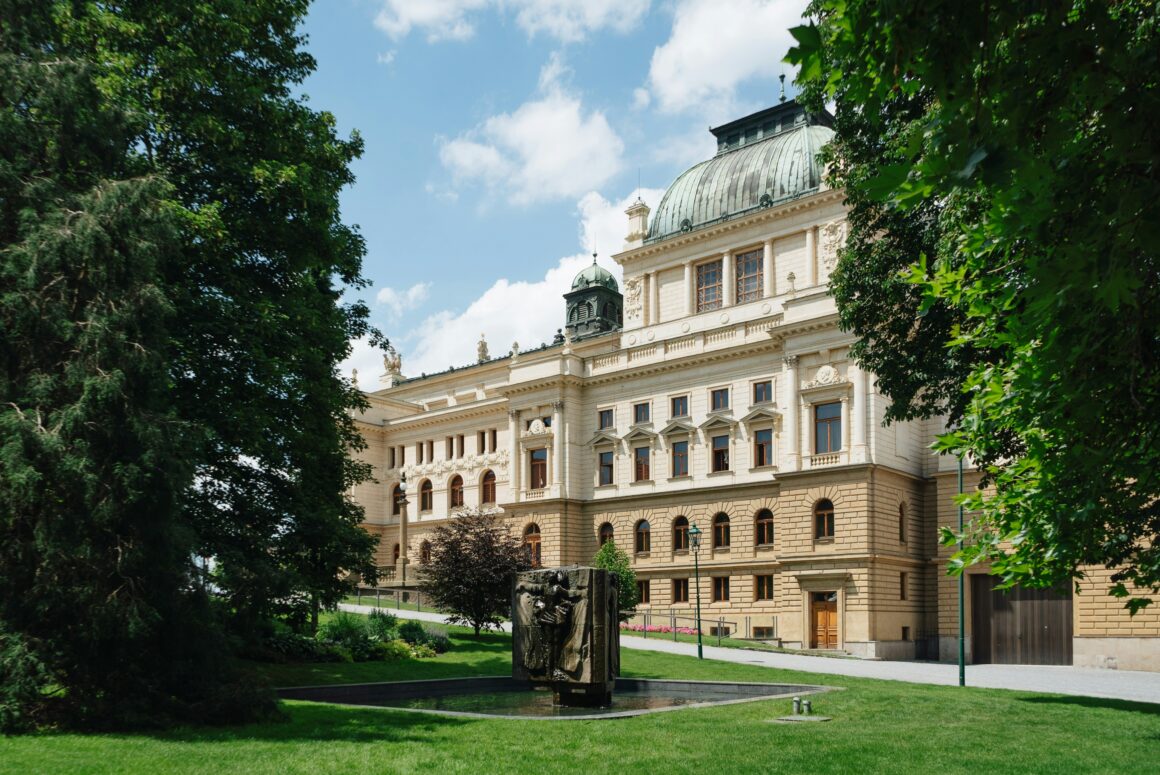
x: 763, y: 392
x: 709, y: 286
x: 719, y: 399
x: 640, y: 460
x: 642, y: 591
x: 604, y: 419
x: 679, y: 406
x: 480, y: 442
x: 763, y: 587
x: 720, y: 589
x: 605, y: 468
x: 720, y: 453
x: 450, y: 449
x: 538, y: 469
x: 419, y: 453
x: 763, y: 633
x: 906, y: 633
x: 459, y: 445
x: 763, y: 448
x: 749, y: 276
x: 722, y: 631
x: 680, y: 590
x: 402, y: 456
x: 824, y: 523
x: 827, y: 427
x: 392, y: 458
x: 640, y: 413
x: 902, y: 586
x: 492, y: 436
x: 431, y: 451
x: 680, y: 458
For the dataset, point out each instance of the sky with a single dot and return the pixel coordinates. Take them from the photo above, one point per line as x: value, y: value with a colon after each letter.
x: 505, y: 138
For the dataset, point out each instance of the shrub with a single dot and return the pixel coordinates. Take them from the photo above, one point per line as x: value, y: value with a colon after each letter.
x: 344, y: 629
x: 292, y: 647
x: 382, y: 625
x: 423, y: 651
x: 438, y: 641
x: 393, y: 650
x: 413, y: 632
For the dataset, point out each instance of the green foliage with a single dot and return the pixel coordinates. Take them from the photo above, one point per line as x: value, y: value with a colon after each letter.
x: 1001, y: 168
x: 611, y: 557
x: 383, y: 625
x: 473, y: 562
x: 418, y: 634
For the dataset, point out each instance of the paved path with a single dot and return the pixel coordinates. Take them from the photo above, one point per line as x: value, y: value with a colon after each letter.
x: 1084, y: 682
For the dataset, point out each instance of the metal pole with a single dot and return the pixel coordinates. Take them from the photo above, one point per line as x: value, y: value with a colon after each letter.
x: 962, y: 625
x: 697, y: 574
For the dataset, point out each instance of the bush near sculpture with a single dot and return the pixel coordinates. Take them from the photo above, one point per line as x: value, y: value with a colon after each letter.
x: 375, y: 638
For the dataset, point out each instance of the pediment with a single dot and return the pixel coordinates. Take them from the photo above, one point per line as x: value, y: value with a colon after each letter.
x: 678, y: 428
x: 762, y: 414
x: 718, y: 422
x: 602, y: 437
x: 638, y: 434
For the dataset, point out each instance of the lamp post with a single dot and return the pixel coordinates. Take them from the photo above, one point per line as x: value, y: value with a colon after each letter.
x: 695, y: 542
x: 962, y: 617
x: 401, y: 500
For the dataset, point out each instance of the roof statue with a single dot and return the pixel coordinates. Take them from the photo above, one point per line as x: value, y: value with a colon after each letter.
x: 392, y: 361
x: 481, y: 354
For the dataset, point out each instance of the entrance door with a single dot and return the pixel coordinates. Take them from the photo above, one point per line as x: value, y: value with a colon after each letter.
x: 1020, y: 626
x: 824, y: 620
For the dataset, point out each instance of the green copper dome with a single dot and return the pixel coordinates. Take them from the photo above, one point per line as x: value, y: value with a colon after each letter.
x: 762, y: 160
x: 594, y: 274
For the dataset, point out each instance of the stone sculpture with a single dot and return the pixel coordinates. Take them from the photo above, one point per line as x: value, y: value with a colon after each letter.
x: 565, y: 633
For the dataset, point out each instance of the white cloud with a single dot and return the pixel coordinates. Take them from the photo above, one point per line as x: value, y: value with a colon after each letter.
x: 398, y: 302
x: 565, y: 20
x: 640, y: 98
x: 717, y: 44
x: 367, y: 361
x: 386, y: 57
x: 548, y: 148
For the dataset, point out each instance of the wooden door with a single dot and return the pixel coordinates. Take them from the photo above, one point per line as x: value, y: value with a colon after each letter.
x: 824, y: 619
x: 1020, y: 626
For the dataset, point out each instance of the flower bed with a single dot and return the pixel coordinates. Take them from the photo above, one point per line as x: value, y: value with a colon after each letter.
x: 658, y: 628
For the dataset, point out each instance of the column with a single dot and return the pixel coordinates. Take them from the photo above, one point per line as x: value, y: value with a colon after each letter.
x: 729, y: 284
x: 558, y: 446
x: 811, y: 256
x: 860, y: 414
x: 654, y: 297
x: 514, y: 461
x: 845, y: 401
x: 690, y: 291
x: 790, y: 417
x: 767, y: 276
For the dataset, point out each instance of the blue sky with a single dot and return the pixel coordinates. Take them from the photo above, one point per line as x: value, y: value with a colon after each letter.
x: 504, y: 139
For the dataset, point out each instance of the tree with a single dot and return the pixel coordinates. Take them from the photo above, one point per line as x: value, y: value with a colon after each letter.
x: 612, y: 558
x: 473, y: 561
x: 1007, y: 155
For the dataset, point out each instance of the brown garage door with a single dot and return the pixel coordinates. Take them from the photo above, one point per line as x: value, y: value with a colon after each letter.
x: 1019, y: 626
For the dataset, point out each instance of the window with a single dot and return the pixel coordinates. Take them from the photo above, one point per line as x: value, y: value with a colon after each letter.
x: 426, y: 496
x: 722, y: 631
x: 396, y: 500
x: 680, y: 452
x: 764, y: 528
x: 538, y: 469
x: 763, y: 392
x: 532, y: 544
x: 640, y: 413
x: 749, y: 276
x: 642, y: 591
x: 640, y: 457
x: 431, y: 451
x: 906, y: 633
x: 391, y: 463
x: 824, y: 519
x: 396, y: 554
x: 643, y: 536
x: 709, y: 286
x: 679, y: 406
x: 719, y: 399
x: 901, y: 523
x: 487, y: 488
x: 605, y: 533
x: 491, y: 435
x: 450, y: 450
x: 763, y: 448
x: 455, y: 492
x: 720, y: 453
x: 425, y: 552
x: 720, y: 589
x: 828, y: 427
x: 680, y: 534
x: 480, y: 442
x: 604, y: 419
x: 902, y: 586
x: 721, y: 531
x: 459, y: 445
x: 680, y: 590
x: 763, y: 633
x: 605, y: 461
x: 419, y: 453
x: 763, y: 587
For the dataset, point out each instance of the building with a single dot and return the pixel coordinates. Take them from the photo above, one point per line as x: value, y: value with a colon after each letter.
x: 716, y: 390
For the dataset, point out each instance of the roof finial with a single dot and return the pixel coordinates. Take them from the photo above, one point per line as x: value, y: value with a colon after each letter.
x: 594, y: 258
x: 782, y: 79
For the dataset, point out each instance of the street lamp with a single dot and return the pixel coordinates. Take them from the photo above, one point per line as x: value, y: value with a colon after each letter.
x: 401, y: 500
x: 695, y: 542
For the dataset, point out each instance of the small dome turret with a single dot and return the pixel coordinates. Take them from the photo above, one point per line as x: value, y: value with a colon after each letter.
x: 594, y: 274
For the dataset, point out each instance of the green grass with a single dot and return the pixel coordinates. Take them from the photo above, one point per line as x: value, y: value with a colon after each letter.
x: 878, y: 726
x: 387, y: 602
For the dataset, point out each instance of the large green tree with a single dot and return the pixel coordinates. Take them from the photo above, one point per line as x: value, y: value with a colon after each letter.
x: 1001, y: 165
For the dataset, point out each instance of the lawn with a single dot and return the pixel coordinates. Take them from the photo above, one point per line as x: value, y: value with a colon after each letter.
x: 878, y: 726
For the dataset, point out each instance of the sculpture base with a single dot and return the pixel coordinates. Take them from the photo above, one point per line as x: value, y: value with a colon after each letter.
x: 581, y: 695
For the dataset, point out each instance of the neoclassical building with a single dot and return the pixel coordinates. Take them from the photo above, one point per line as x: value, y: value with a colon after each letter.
x: 715, y: 389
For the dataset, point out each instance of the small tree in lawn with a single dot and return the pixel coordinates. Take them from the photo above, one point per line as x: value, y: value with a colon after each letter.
x: 469, y: 575
x: 612, y: 558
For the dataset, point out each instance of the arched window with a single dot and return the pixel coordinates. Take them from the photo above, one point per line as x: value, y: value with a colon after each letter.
x: 605, y: 533
x: 823, y: 519
x: 609, y: 311
x: 487, y: 487
x: 426, y: 495
x: 720, y: 530
x: 764, y: 527
x: 396, y: 500
x: 455, y: 492
x: 532, y: 543
x: 425, y: 552
x: 681, y: 534
x: 901, y: 523
x: 643, y: 536
x: 396, y: 558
